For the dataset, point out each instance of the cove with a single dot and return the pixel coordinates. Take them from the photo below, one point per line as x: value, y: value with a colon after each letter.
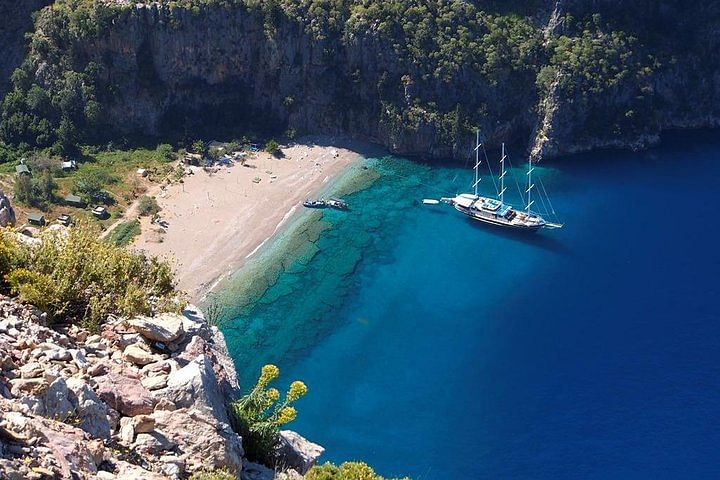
x: 441, y: 348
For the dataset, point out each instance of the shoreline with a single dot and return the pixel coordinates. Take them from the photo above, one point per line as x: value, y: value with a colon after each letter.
x: 218, y: 222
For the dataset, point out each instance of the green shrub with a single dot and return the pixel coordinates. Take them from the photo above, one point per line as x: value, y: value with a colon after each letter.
x: 148, y: 206
x: 81, y: 278
x: 346, y: 471
x: 257, y: 416
x: 273, y: 148
x: 219, y: 474
x: 124, y: 233
x: 90, y: 184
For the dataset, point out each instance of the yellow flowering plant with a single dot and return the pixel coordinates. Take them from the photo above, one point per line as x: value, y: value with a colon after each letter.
x: 258, y: 415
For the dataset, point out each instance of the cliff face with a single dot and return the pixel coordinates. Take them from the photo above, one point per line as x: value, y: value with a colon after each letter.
x: 17, y: 21
x: 166, y: 71
x: 556, y: 77
x: 678, y: 85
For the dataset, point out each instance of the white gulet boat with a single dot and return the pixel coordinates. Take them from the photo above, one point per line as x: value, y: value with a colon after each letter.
x: 494, y: 210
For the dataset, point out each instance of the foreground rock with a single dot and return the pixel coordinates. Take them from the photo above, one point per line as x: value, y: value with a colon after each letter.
x: 143, y: 398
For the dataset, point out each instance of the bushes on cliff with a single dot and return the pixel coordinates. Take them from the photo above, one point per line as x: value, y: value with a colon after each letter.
x: 78, y: 277
x: 258, y: 416
x: 346, y: 471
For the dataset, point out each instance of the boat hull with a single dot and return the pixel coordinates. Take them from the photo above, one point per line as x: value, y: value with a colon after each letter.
x: 498, y: 222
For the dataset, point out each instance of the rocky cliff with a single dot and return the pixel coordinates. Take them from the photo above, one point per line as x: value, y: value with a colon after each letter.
x: 554, y: 76
x: 17, y: 21
x: 144, y: 398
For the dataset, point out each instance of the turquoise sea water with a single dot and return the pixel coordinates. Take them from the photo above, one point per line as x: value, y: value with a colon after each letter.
x: 445, y: 349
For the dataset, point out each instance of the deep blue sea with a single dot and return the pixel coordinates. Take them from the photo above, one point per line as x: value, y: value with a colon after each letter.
x: 440, y: 348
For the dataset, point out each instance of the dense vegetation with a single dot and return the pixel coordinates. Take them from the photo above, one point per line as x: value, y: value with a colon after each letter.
x: 440, y: 66
x: 124, y: 233
x: 345, y: 471
x: 77, y: 277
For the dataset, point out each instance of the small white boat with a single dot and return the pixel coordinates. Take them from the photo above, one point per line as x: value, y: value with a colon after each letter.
x: 430, y: 201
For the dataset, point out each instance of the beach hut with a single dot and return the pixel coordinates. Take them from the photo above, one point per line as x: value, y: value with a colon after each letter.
x: 74, y: 200
x: 22, y: 169
x: 36, y: 218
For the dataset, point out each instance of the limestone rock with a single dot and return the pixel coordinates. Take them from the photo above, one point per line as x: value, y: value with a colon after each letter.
x: 296, y: 452
x: 127, y: 471
x: 32, y: 386
x: 138, y: 355
x: 7, y: 214
x: 127, y: 431
x: 56, y: 402
x: 153, y: 442
x: 143, y: 423
x: 124, y: 392
x: 195, y: 385
x: 201, y: 439
x: 91, y: 411
x: 31, y: 370
x: 167, y: 327
x: 97, y: 369
x: 155, y: 383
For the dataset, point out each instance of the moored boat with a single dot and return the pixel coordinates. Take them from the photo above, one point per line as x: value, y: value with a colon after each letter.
x: 315, y: 203
x: 494, y: 210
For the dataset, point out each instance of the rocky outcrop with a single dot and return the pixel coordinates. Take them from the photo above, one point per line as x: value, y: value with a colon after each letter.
x: 143, y: 398
x: 297, y: 452
x: 7, y: 214
x: 17, y: 21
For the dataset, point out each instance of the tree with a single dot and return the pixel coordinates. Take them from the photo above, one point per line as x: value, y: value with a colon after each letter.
x: 198, y: 146
x: 148, y: 206
x: 91, y: 185
x: 23, y: 189
x: 273, y: 148
x: 44, y: 188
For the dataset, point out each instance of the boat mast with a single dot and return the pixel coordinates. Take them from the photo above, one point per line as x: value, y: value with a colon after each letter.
x: 530, y: 186
x: 477, y: 161
x: 502, y: 174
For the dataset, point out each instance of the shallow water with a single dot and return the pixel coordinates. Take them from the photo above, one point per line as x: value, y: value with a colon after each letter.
x: 441, y: 348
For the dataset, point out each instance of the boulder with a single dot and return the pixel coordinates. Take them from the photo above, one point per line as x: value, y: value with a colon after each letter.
x: 156, y: 382
x: 153, y: 442
x: 7, y: 214
x: 143, y: 423
x: 195, y: 385
x: 70, y: 447
x: 58, y: 354
x: 91, y: 411
x: 97, y: 369
x: 167, y: 327
x: 31, y: 370
x: 128, y: 471
x: 124, y: 392
x: 138, y: 355
x: 200, y: 439
x: 55, y: 401
x: 31, y: 386
x: 127, y: 431
x: 296, y: 452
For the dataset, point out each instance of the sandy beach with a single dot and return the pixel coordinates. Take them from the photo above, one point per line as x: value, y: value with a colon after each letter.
x: 216, y: 221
